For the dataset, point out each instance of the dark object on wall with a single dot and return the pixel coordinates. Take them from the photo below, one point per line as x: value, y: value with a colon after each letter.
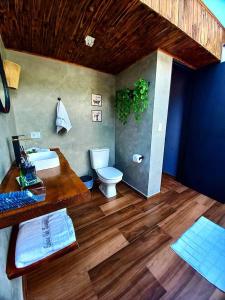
x: 4, y: 91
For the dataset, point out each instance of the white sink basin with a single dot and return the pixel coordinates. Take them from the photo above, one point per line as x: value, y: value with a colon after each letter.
x: 44, y: 160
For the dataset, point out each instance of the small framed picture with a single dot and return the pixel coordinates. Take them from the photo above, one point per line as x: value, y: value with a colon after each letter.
x: 96, y: 115
x: 96, y: 100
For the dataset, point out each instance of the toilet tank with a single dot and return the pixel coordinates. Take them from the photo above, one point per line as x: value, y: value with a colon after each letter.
x: 99, y: 158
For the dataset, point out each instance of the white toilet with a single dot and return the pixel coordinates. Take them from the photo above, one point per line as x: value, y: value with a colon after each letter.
x: 108, y: 176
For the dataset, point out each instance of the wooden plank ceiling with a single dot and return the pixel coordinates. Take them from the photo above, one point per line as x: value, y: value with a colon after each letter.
x: 193, y: 18
x: 125, y: 31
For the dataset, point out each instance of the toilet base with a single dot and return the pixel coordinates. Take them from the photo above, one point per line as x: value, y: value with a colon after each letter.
x: 108, y: 190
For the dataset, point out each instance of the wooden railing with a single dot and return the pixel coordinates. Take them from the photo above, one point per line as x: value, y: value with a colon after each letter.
x: 194, y: 19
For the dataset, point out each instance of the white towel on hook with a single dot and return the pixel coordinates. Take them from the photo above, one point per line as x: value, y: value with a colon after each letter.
x: 62, y: 119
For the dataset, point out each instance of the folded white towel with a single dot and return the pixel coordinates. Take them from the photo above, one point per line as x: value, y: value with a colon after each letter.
x: 59, y: 211
x: 42, y: 237
x: 62, y: 118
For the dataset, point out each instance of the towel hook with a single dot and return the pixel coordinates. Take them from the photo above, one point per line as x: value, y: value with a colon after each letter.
x: 59, y: 99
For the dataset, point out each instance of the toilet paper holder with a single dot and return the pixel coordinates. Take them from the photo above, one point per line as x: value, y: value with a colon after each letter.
x: 138, y: 158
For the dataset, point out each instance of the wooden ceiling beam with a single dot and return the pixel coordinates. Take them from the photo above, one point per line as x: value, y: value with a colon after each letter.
x: 194, y: 19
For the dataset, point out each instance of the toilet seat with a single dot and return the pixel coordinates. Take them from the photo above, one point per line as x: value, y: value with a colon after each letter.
x: 109, y: 173
x: 108, y: 176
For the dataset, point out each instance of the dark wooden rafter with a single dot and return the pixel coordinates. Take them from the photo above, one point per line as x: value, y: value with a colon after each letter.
x: 125, y: 31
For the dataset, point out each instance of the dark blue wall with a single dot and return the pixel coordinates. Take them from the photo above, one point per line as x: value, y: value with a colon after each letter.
x: 178, y: 112
x: 204, y: 164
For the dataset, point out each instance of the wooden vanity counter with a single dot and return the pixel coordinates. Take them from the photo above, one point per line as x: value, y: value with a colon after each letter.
x: 63, y: 189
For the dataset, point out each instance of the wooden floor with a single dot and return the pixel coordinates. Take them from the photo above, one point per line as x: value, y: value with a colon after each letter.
x: 124, y: 249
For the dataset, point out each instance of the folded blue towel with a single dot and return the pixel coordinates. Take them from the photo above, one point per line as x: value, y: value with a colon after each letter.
x: 203, y: 247
x: 18, y: 199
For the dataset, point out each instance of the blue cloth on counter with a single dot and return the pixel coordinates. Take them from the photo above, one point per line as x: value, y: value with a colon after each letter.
x: 18, y: 199
x: 203, y: 247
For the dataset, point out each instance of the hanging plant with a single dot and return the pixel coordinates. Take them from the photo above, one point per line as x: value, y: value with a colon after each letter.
x: 140, y: 98
x: 136, y: 101
x: 123, y: 105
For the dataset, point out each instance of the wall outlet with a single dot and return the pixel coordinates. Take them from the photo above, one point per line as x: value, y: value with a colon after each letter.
x: 160, y: 127
x: 35, y: 135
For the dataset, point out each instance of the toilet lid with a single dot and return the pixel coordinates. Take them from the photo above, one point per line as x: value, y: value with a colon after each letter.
x: 109, y: 173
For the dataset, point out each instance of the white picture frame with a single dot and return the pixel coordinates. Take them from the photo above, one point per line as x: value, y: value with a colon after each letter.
x: 96, y: 100
x: 96, y: 115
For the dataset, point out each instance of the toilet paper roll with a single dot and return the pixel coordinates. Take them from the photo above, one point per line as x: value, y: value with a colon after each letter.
x: 137, y: 158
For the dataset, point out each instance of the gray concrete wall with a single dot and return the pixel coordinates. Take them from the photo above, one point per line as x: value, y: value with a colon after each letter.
x: 42, y: 81
x: 145, y: 137
x: 9, y: 289
x: 136, y: 137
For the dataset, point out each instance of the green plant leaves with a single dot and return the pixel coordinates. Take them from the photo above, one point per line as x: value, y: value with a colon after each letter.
x: 136, y: 101
x: 140, y: 98
x: 123, y: 105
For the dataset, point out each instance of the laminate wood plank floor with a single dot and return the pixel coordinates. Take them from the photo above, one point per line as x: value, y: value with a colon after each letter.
x: 125, y: 249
